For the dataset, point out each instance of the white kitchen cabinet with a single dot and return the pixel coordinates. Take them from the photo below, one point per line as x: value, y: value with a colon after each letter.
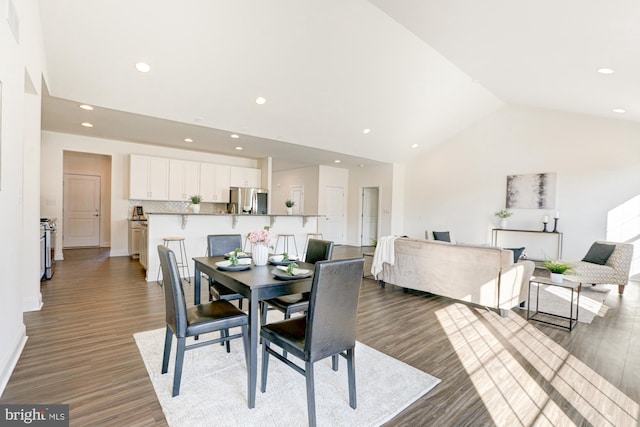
x: 148, y: 178
x: 184, y: 179
x: 244, y: 177
x: 214, y: 183
x: 134, y: 238
x: 144, y: 246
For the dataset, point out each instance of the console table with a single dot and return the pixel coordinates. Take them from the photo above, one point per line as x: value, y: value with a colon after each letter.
x: 539, y: 245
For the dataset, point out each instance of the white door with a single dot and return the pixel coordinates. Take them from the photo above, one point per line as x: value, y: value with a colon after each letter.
x: 369, y: 216
x: 296, y: 193
x: 81, y: 216
x: 333, y: 228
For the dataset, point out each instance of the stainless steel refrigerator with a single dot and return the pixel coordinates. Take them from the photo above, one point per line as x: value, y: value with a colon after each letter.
x: 249, y: 201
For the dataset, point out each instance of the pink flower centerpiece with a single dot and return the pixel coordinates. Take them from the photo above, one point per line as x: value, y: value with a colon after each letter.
x: 261, y: 241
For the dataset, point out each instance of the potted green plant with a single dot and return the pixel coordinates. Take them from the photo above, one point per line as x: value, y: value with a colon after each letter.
x: 289, y: 204
x: 557, y: 270
x: 196, y: 199
x: 503, y: 214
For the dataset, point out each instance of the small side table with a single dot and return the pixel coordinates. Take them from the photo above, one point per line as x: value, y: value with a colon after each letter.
x: 575, y: 300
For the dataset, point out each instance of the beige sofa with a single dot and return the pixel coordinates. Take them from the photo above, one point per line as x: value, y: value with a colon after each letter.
x: 481, y: 275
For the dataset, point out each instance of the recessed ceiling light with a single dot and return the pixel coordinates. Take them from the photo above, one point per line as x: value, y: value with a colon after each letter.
x: 86, y: 124
x: 238, y: 148
x: 605, y: 71
x: 361, y: 165
x: 336, y: 161
x: 234, y: 136
x: 86, y: 107
x: 143, y: 67
x: 619, y: 110
x: 414, y: 146
x: 366, y: 131
x: 188, y: 140
x: 260, y: 100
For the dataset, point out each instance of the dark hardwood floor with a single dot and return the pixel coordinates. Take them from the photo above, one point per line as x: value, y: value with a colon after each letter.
x: 494, y: 371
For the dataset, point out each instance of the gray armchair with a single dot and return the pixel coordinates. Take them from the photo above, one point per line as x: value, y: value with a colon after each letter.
x: 614, y: 272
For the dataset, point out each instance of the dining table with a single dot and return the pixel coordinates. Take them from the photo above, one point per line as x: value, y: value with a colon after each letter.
x: 256, y: 283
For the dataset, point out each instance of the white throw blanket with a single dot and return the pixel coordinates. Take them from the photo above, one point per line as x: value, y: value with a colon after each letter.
x: 384, y: 253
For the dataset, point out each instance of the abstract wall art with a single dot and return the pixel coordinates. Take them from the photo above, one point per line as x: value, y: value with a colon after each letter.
x: 531, y: 191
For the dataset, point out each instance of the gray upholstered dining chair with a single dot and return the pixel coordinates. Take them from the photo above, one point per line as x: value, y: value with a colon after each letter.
x: 317, y: 250
x: 200, y: 319
x: 327, y: 330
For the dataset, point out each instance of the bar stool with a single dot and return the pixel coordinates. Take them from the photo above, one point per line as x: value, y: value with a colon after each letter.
x: 311, y: 236
x: 285, y: 242
x: 182, y: 263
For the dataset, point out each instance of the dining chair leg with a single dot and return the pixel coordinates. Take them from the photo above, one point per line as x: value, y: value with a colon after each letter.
x: 167, y: 349
x: 311, y: 399
x: 225, y: 333
x: 287, y: 316
x: 177, y: 375
x: 265, y: 366
x: 245, y: 343
x: 351, y: 373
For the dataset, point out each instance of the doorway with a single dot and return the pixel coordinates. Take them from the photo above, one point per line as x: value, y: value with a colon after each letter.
x: 369, y: 218
x: 333, y: 228
x: 81, y: 222
x: 86, y: 200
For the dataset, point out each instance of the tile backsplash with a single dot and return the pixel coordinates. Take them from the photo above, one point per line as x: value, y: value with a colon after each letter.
x: 176, y: 207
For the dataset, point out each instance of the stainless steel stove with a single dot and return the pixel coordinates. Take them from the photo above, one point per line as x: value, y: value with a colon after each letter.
x: 50, y: 229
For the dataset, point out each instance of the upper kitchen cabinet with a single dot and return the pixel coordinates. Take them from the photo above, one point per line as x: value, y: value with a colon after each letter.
x: 244, y: 177
x: 148, y: 178
x: 214, y: 183
x: 184, y: 179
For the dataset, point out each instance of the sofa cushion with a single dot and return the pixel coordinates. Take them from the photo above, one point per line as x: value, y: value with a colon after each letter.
x: 517, y: 253
x: 599, y: 253
x: 443, y: 236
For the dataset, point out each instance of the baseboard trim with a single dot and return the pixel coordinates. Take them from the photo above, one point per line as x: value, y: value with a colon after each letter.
x: 20, y: 342
x: 118, y: 253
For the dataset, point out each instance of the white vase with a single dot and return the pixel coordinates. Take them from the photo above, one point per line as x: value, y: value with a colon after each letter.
x: 260, y: 254
x: 503, y: 223
x: 290, y: 211
x: 557, y: 277
x: 195, y: 208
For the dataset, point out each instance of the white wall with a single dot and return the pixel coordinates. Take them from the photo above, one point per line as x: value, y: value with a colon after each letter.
x: 359, y: 178
x: 458, y: 185
x: 53, y: 146
x: 21, y: 68
x: 282, y: 181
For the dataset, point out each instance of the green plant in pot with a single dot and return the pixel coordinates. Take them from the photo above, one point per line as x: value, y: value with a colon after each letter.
x: 196, y: 199
x: 289, y: 204
x: 557, y: 269
x: 503, y: 214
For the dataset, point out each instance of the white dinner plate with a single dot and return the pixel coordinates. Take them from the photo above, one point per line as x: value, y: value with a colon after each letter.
x: 277, y: 260
x: 298, y: 273
x: 243, y: 264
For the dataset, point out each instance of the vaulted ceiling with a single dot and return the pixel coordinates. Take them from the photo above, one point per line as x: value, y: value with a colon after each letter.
x: 413, y: 72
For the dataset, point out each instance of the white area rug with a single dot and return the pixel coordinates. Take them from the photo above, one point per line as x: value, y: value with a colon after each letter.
x: 554, y: 299
x: 214, y: 388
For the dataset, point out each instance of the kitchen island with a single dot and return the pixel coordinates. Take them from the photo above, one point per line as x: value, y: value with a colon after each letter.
x: 195, y: 227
